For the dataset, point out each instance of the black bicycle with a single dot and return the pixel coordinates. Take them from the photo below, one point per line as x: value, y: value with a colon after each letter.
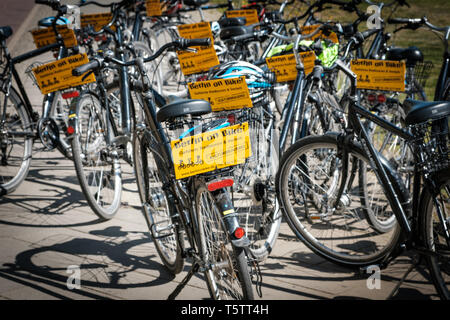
x: 20, y: 125
x: 198, y: 206
x: 326, y: 201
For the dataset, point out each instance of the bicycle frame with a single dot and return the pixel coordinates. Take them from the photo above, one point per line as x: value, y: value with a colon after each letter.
x: 12, y: 61
x: 356, y: 127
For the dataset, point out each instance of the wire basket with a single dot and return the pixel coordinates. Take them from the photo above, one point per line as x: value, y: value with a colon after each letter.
x: 29, y: 70
x: 422, y: 72
x: 432, y: 144
x: 189, y: 126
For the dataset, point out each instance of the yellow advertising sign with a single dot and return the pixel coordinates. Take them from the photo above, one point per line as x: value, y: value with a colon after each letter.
x: 153, y: 8
x: 205, y: 57
x: 379, y: 74
x: 310, y: 29
x: 285, y: 66
x: 96, y: 20
x: 211, y: 150
x: 57, y: 75
x: 222, y: 94
x: 251, y: 15
x: 44, y: 37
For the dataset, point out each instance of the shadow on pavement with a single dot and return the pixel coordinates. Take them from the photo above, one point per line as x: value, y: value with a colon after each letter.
x: 108, y: 263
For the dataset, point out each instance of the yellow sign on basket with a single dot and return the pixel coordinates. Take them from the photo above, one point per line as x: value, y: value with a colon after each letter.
x: 205, y: 57
x: 96, y: 20
x: 222, y: 94
x: 153, y: 8
x: 57, y: 75
x: 44, y: 37
x: 285, y: 66
x: 382, y: 75
x: 211, y: 150
x: 310, y: 29
x: 251, y: 15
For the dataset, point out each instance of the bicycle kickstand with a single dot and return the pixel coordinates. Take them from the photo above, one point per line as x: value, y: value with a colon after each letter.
x: 183, y: 283
x: 413, y: 265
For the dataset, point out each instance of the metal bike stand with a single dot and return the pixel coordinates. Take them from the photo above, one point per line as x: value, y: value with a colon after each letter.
x: 413, y: 265
x: 194, y: 269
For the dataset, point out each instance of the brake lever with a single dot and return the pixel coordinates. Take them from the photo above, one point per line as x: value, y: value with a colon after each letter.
x: 190, y: 50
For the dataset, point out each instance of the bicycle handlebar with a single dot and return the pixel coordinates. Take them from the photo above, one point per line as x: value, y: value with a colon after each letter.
x: 179, y: 44
x: 416, y: 23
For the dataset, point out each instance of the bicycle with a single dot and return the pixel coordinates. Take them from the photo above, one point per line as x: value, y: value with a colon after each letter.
x: 322, y: 173
x: 102, y: 121
x: 198, y: 207
x: 20, y: 125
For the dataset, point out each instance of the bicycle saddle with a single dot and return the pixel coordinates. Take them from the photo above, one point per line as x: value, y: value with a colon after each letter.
x: 412, y: 55
x: 5, y: 32
x: 420, y: 111
x: 229, y: 32
x: 232, y: 22
x: 183, y: 107
x: 195, y: 3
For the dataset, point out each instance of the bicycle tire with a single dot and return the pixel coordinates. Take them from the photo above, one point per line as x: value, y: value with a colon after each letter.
x: 91, y: 156
x: 254, y: 196
x: 59, y: 112
x: 231, y: 278
x: 432, y: 232
x: 155, y: 205
x: 15, y: 143
x: 353, y: 244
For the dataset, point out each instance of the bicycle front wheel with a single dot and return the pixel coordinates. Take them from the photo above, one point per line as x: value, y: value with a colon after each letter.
x: 227, y: 273
x: 96, y: 163
x: 16, y: 141
x: 435, y: 229
x: 307, y: 184
x: 155, y: 205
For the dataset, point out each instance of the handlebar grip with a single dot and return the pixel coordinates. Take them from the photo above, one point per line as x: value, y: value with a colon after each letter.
x: 78, y: 71
x: 404, y: 21
x: 204, y: 42
x: 50, y: 3
x: 243, y: 37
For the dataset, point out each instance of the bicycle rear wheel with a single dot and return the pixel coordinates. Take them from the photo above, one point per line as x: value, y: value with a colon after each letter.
x: 307, y: 184
x: 436, y: 214
x: 96, y: 163
x: 227, y: 272
x: 16, y: 141
x: 155, y: 205
x: 254, y: 196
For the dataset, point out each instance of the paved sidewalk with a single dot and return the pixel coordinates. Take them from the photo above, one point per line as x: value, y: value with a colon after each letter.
x: 46, y: 226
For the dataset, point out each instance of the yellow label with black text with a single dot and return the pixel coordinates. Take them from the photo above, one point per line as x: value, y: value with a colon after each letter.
x: 251, y: 15
x: 46, y: 36
x: 382, y: 75
x: 57, y: 75
x: 222, y: 94
x: 305, y: 30
x: 205, y: 57
x: 153, y: 8
x: 96, y: 20
x: 285, y: 66
x: 211, y: 150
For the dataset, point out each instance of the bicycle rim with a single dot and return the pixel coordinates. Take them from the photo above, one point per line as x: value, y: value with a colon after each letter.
x: 435, y: 239
x: 15, y: 145
x: 254, y: 196
x: 97, y: 166
x: 227, y: 272
x: 156, y: 207
x: 307, y: 184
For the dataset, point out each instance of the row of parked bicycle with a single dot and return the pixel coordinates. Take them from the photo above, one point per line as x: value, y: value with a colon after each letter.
x: 330, y: 129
